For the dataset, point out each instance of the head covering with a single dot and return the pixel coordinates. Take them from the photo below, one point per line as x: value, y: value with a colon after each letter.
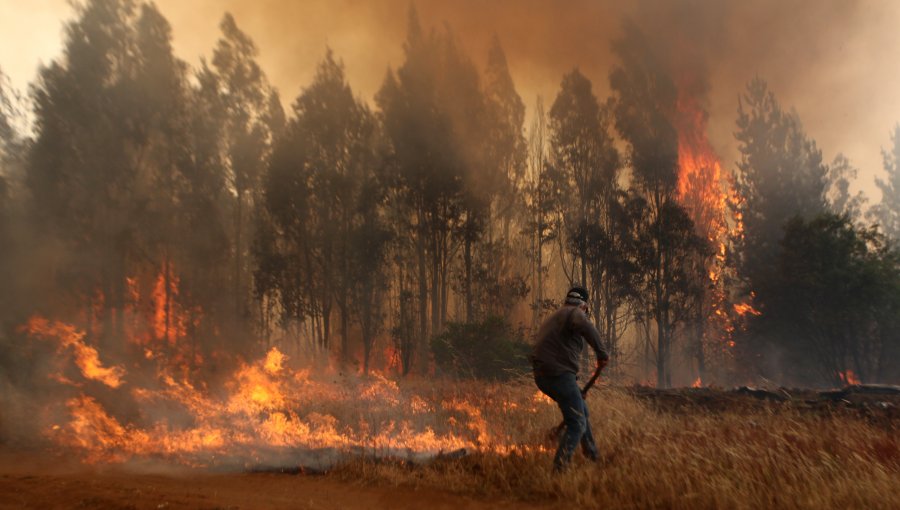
x: 576, y: 295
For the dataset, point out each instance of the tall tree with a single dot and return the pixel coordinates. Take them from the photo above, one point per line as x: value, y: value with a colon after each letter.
x: 887, y: 212
x: 492, y: 204
x: 87, y: 165
x: 583, y: 152
x: 160, y: 98
x: 323, y: 197
x: 840, y: 201
x: 644, y: 107
x: 249, y: 114
x: 833, y: 305
x: 576, y: 150
x: 12, y: 154
x: 125, y: 170
x: 505, y: 144
x: 542, y: 196
x: 433, y: 111
x: 780, y: 175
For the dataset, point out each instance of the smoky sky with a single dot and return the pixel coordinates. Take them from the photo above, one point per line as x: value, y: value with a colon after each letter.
x: 836, y: 62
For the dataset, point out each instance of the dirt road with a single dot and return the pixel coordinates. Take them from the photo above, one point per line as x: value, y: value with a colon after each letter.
x: 35, y: 481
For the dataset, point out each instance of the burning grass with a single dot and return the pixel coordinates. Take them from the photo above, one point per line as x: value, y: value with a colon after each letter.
x: 694, y: 448
x: 769, y: 456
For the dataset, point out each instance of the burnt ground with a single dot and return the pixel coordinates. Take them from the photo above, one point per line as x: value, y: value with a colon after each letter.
x: 875, y: 402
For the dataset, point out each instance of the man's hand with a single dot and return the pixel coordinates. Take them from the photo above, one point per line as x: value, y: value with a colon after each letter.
x: 601, y: 363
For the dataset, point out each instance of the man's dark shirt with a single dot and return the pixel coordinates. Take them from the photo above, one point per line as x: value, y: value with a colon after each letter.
x: 560, y: 341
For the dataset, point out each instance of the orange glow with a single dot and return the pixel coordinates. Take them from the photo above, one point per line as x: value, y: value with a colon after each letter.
x: 167, y: 410
x: 274, y: 361
x: 170, y: 319
x: 392, y: 359
x: 848, y: 377
x: 264, y: 405
x: 86, y: 357
x: 746, y: 308
x: 697, y: 383
x: 709, y: 196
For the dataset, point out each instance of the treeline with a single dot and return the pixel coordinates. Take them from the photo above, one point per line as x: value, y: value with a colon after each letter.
x: 432, y: 221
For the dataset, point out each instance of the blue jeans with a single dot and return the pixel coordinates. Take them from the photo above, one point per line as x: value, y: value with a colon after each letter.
x: 564, y: 390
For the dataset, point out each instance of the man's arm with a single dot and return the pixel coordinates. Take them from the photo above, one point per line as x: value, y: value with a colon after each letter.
x: 582, y: 326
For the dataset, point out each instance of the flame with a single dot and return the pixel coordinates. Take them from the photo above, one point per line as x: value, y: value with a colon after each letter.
x: 746, y: 308
x: 709, y: 197
x: 166, y: 410
x: 697, y: 383
x: 170, y: 318
x: 700, y: 178
x: 848, y: 377
x: 266, y: 404
x: 274, y: 361
x: 86, y: 357
x: 392, y: 358
x: 540, y: 397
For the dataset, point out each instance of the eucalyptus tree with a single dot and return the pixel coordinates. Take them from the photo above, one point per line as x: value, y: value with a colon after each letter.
x: 644, y: 106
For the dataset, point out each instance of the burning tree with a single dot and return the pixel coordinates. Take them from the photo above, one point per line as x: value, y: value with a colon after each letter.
x: 110, y: 172
x: 705, y: 192
x: 645, y: 104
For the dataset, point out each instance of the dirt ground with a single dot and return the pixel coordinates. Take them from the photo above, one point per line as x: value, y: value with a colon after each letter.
x: 37, y: 480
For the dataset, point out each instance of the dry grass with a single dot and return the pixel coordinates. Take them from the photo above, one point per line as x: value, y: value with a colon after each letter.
x: 765, y: 458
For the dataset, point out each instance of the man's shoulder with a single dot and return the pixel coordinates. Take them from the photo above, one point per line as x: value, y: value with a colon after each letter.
x: 561, y: 311
x: 580, y: 319
x: 554, y: 321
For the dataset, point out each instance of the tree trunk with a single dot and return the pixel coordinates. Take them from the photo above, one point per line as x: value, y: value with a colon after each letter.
x: 660, y: 352
x: 345, y: 342
x: 326, y: 324
x: 467, y: 257
x: 366, y: 326
x: 168, y: 300
x: 540, y: 277
x: 699, y: 333
x: 645, y: 324
x: 584, y: 281
x: 444, y: 299
x: 423, y: 291
x: 238, y: 253
x: 435, y: 286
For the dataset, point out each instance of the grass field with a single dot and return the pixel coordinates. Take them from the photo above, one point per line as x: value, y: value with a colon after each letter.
x: 756, y: 456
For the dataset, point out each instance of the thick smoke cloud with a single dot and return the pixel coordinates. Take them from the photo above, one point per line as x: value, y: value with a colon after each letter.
x: 836, y: 62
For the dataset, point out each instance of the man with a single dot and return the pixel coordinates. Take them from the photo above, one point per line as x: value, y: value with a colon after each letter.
x: 560, y: 341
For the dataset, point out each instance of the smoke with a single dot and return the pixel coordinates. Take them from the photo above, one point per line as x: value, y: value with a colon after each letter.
x: 835, y: 61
